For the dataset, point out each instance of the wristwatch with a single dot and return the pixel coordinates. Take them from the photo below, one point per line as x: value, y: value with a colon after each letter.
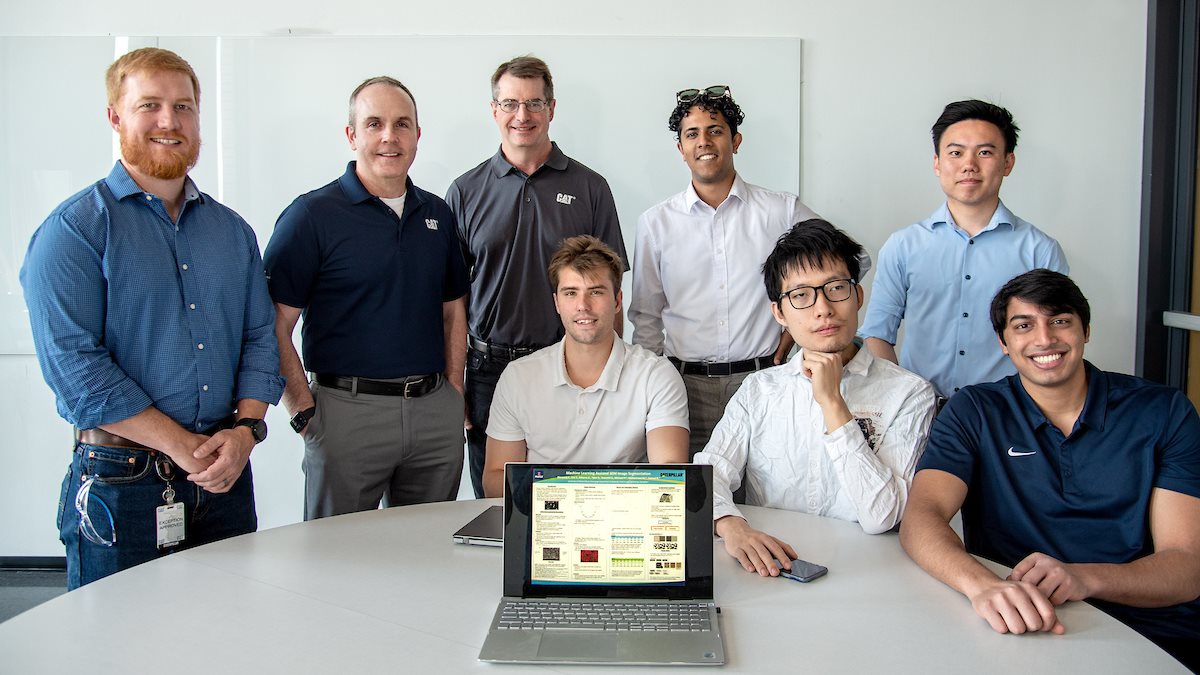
x: 258, y: 428
x: 300, y: 419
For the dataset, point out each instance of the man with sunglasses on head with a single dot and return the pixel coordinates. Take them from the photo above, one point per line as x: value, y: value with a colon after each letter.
x: 513, y: 210
x: 154, y: 329
x: 695, y: 274
x: 834, y: 432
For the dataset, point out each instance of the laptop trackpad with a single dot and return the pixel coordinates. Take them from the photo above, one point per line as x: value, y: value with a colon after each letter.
x: 567, y: 645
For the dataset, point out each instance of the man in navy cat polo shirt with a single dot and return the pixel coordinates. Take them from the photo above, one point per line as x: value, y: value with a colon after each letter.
x: 373, y: 263
x: 1087, y: 483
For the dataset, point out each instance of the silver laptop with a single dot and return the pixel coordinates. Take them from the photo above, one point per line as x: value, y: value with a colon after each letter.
x: 607, y: 563
x: 487, y: 529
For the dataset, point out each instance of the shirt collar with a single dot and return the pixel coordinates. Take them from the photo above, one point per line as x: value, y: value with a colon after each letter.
x: 609, y: 377
x: 1001, y: 216
x: 122, y: 185
x: 502, y: 167
x: 1095, y: 405
x: 357, y: 193
x: 691, y: 199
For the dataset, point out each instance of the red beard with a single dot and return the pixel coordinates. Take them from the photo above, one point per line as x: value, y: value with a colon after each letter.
x: 173, y: 164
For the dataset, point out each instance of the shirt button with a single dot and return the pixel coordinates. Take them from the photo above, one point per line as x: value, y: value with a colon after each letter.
x: 956, y: 389
x: 201, y: 346
x: 961, y: 353
x: 184, y: 266
x: 205, y: 387
x: 192, y: 306
x: 964, y: 313
x: 971, y: 242
x: 968, y: 277
x: 149, y: 198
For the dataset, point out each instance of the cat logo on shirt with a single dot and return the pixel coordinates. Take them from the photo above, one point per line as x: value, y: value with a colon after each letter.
x: 564, y: 198
x: 431, y: 223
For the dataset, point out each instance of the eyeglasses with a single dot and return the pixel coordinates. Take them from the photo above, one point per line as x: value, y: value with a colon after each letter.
x: 713, y: 92
x: 510, y: 105
x: 838, y: 290
x: 86, y: 528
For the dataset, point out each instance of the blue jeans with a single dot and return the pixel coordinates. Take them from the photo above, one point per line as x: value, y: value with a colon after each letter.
x: 130, y: 485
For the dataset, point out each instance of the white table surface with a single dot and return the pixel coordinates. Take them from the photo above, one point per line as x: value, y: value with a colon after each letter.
x: 387, y: 591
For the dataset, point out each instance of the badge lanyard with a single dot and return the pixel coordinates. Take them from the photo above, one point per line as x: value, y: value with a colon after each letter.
x: 169, y: 518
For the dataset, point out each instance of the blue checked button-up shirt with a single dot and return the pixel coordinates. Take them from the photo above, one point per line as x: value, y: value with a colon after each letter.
x: 940, y: 282
x: 131, y: 310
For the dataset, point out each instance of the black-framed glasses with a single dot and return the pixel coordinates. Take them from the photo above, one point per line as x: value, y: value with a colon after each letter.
x: 838, y: 290
x: 713, y: 92
x: 510, y: 105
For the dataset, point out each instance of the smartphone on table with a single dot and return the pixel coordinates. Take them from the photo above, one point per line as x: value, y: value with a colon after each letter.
x: 804, y: 571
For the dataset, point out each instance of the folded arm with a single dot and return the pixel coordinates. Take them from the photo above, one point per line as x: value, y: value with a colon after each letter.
x: 1009, y: 606
x: 1169, y: 576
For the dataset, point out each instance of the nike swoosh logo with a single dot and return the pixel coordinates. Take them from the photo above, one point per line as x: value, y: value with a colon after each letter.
x: 1014, y: 453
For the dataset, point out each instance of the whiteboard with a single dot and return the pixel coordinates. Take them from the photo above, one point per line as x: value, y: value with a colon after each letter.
x: 274, y: 111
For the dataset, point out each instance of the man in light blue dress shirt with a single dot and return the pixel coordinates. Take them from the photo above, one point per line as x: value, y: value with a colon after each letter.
x: 943, y: 271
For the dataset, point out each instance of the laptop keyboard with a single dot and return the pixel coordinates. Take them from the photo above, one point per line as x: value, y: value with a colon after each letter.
x: 615, y: 616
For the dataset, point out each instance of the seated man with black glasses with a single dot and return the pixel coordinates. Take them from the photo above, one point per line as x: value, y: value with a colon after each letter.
x: 835, y: 431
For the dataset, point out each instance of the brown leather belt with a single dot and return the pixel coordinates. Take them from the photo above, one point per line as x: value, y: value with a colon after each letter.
x: 412, y: 388
x: 722, y: 369
x: 104, y: 439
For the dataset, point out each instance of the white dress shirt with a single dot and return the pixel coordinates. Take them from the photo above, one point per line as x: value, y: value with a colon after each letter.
x: 560, y: 421
x: 861, y: 471
x: 696, y: 273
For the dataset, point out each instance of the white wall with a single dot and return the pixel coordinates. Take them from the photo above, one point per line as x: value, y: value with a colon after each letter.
x: 875, y: 75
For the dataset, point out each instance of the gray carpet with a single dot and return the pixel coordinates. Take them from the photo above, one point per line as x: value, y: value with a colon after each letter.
x: 23, y: 589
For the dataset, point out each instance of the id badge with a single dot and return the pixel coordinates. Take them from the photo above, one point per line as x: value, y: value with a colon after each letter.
x: 170, y: 524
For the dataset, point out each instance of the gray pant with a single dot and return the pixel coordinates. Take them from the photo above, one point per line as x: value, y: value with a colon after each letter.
x: 707, y: 398
x: 361, y: 449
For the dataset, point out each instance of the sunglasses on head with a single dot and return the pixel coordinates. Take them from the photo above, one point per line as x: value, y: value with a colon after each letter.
x: 715, y: 91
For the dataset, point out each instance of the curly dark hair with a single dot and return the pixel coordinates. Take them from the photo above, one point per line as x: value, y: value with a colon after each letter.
x: 725, y: 105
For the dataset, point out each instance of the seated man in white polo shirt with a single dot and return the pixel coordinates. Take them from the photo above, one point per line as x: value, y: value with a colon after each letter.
x: 589, y: 397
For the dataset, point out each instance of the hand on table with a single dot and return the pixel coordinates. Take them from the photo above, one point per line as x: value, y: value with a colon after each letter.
x: 756, y: 551
x: 1016, y: 607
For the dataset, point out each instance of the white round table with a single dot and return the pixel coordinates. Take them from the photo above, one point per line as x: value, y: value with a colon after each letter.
x: 387, y: 591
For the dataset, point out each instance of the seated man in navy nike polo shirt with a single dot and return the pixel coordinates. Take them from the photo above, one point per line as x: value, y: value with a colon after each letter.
x: 1087, y: 483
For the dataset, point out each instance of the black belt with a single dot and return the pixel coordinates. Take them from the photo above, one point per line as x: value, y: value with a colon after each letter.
x: 499, y: 351
x: 412, y: 388
x: 722, y: 369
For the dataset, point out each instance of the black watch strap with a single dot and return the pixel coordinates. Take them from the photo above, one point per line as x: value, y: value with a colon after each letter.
x: 258, y: 428
x: 300, y: 419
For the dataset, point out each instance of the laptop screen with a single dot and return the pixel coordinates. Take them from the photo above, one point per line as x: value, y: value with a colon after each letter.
x: 608, y: 530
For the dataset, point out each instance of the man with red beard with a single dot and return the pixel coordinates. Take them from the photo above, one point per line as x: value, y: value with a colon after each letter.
x: 154, y: 329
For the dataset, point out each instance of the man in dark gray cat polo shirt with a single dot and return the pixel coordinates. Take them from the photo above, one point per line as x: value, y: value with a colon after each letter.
x: 512, y: 212
x: 373, y: 262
